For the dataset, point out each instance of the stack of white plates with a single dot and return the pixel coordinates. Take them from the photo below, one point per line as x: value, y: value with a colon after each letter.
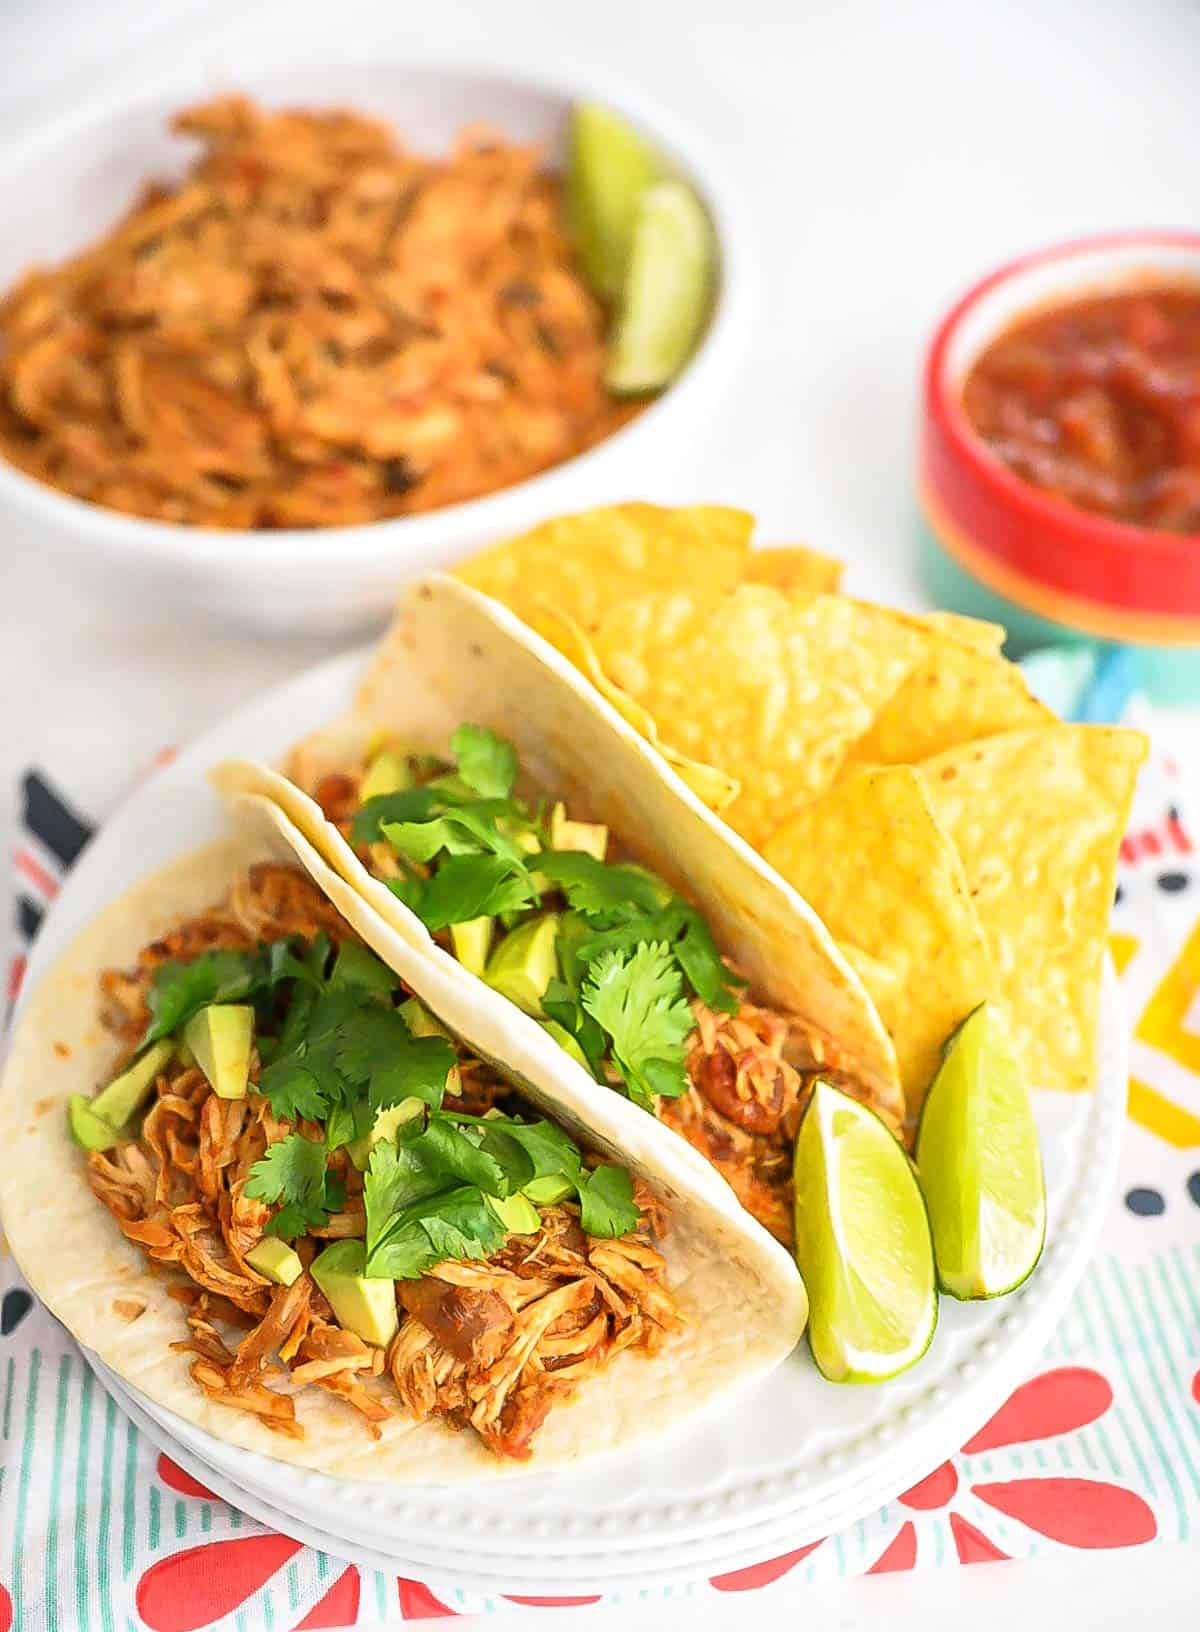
x: 788, y: 1462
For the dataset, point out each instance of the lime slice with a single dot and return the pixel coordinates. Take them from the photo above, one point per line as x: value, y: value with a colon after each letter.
x: 980, y: 1165
x: 667, y: 291
x: 862, y: 1243
x: 609, y: 167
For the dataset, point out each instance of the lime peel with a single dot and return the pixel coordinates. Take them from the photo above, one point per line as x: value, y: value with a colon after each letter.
x: 980, y: 1164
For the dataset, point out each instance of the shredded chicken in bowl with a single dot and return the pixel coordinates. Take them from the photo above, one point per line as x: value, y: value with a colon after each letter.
x: 317, y: 327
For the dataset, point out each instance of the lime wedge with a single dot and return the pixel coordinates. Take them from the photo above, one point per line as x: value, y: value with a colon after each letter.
x: 667, y: 291
x: 609, y: 167
x: 862, y: 1243
x: 980, y: 1164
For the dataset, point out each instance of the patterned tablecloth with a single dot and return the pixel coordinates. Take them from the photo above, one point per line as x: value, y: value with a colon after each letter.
x: 1099, y: 1447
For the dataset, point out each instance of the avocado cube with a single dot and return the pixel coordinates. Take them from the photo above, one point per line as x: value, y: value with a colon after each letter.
x: 590, y: 837
x: 276, y: 1260
x: 517, y: 1213
x: 525, y: 963
x: 221, y: 1037
x: 388, y: 772
x: 472, y: 941
x: 386, y: 1125
x: 420, y: 1022
x: 366, y: 1307
x: 548, y: 1189
x: 568, y: 1044
x: 126, y: 1094
x: 88, y: 1129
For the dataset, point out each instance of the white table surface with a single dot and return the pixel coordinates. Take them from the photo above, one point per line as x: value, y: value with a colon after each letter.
x: 892, y: 152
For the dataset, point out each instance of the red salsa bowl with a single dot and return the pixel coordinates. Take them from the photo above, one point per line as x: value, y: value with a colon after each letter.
x: 1060, y: 450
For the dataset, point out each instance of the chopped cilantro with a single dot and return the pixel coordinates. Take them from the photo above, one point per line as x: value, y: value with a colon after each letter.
x: 606, y: 1204
x: 466, y: 887
x: 637, y: 997
x: 292, y: 1172
x: 406, y: 805
x: 607, y: 892
x: 486, y: 762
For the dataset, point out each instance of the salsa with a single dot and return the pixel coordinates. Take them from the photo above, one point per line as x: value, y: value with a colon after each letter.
x: 1099, y: 402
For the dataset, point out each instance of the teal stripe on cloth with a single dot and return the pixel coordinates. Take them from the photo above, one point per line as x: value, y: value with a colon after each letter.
x: 20, y: 1559
x: 87, y: 1386
x: 60, y: 1419
x: 104, y: 1531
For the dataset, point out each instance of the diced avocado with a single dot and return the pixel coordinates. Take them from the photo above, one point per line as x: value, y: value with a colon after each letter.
x: 184, y: 1055
x: 527, y: 841
x: 549, y: 1189
x: 88, y: 1129
x: 357, y: 965
x: 388, y: 772
x: 590, y: 837
x: 384, y: 1127
x: 472, y: 942
x: 221, y: 1037
x: 517, y: 1213
x: 276, y: 1260
x: 419, y: 1020
x: 525, y: 963
x: 569, y: 1044
x: 126, y: 1094
x: 365, y: 1307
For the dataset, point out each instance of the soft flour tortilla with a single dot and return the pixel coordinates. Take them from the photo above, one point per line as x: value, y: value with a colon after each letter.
x: 454, y: 655
x: 743, y: 1299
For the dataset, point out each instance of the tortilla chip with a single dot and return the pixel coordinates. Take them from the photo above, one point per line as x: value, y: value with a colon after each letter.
x: 1038, y: 817
x: 795, y: 570
x: 872, y: 861
x: 708, y: 784
x: 769, y: 690
x: 956, y: 694
x: 985, y: 637
x: 584, y: 565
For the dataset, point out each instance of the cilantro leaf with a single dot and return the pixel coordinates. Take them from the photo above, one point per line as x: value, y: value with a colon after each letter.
x: 637, y: 997
x: 396, y: 1177
x: 449, y: 1150
x: 551, y: 1151
x: 294, y: 1091
x: 486, y: 762
x: 606, y: 1204
x: 406, y: 805
x: 703, y: 965
x: 455, y: 1223
x: 357, y: 965
x: 601, y: 890
x: 562, y: 1005
x: 466, y: 887
x: 180, y: 990
x: 418, y: 1070
x: 291, y: 1171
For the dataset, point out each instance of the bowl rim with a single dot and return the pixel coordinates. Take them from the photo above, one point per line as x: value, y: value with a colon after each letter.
x: 1034, y: 507
x: 493, y: 514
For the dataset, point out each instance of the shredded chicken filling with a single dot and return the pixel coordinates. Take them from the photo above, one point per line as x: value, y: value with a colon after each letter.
x: 489, y: 1345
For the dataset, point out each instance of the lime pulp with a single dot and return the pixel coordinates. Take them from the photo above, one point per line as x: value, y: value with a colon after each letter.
x: 862, y: 1243
x: 667, y: 292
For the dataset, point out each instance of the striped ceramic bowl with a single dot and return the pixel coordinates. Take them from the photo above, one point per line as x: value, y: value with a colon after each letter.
x: 996, y: 547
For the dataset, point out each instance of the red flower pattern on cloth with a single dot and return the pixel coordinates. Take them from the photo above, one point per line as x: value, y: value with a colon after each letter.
x: 1082, y: 1513
x: 6, y: 1615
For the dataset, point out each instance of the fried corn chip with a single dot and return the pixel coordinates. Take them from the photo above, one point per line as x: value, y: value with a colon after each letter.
x: 711, y: 786
x: 956, y: 694
x: 1037, y: 817
x: 794, y: 569
x: 584, y: 565
x: 986, y: 637
x: 870, y: 858
x: 768, y: 690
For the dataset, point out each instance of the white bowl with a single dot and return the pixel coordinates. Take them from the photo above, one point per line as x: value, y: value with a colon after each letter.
x: 68, y: 183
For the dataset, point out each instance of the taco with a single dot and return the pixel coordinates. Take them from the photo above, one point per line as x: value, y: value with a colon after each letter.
x: 497, y: 814
x: 277, y: 1193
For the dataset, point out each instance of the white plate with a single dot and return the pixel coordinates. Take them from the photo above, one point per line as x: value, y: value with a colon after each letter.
x: 447, y: 1568
x: 795, y: 1444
